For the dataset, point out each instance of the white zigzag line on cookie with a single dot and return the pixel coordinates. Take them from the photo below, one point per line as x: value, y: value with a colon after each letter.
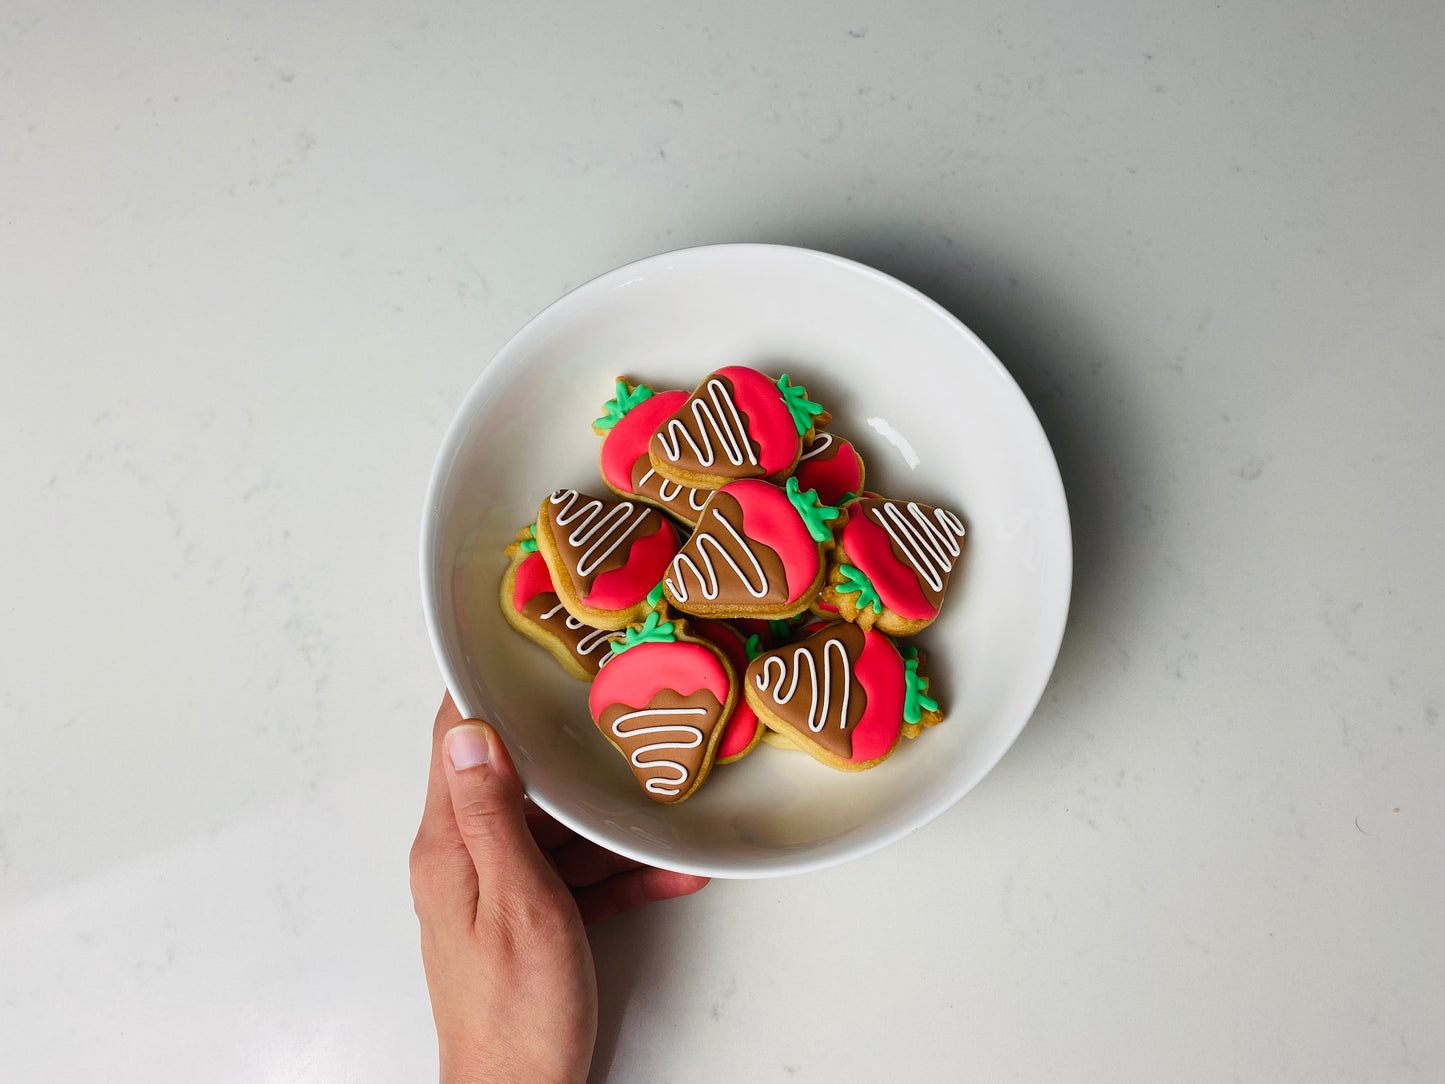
x: 661, y: 785
x: 734, y: 440
x: 682, y: 560
x: 817, y: 714
x: 612, y: 525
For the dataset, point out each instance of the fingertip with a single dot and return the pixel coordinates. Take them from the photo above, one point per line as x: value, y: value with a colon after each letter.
x: 470, y: 745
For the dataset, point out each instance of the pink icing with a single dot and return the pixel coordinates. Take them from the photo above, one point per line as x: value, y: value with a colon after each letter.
x: 868, y: 547
x: 743, y: 723
x: 646, y: 562
x: 770, y: 518
x: 532, y: 579
x: 627, y: 440
x: 880, y: 671
x: 832, y: 478
x: 770, y: 422
x: 640, y: 673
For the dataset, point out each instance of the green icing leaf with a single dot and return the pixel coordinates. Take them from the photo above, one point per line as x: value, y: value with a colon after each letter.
x: 854, y: 579
x: 915, y: 700
x: 798, y: 402
x: 614, y: 410
x: 815, y: 513
x: 655, y: 595
x: 779, y: 628
x: 908, y: 652
x: 529, y: 544
x: 652, y: 631
x: 754, y: 646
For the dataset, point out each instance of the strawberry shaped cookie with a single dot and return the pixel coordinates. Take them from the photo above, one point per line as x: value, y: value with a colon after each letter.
x: 892, y: 564
x: 627, y: 424
x: 832, y: 466
x: 663, y: 702
x: 604, y: 555
x: 739, y: 423
x: 843, y: 695
x: 531, y: 606
x: 757, y: 552
x: 744, y: 729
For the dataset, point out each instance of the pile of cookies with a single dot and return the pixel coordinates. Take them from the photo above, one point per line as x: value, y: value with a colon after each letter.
x: 738, y: 586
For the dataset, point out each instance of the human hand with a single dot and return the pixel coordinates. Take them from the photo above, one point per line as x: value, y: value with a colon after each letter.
x: 502, y: 892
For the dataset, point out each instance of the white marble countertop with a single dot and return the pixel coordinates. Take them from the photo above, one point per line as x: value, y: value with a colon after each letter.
x: 250, y: 258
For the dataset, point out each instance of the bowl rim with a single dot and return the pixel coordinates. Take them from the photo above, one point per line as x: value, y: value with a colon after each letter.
x: 507, y: 358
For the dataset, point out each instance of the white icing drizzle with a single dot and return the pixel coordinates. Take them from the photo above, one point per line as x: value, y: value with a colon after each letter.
x: 930, y: 550
x: 821, y: 443
x: 817, y: 712
x: 607, y: 530
x: 682, y: 561
x: 661, y: 784
x: 732, y: 436
x: 677, y: 487
x: 589, y: 643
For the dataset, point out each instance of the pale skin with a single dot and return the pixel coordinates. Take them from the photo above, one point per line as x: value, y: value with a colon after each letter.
x: 502, y: 892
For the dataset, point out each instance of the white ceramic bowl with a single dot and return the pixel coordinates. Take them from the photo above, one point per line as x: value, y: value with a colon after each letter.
x: 937, y: 419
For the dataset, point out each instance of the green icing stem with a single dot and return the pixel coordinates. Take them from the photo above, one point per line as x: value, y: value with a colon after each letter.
x: 855, y: 579
x: 799, y: 404
x: 614, y: 410
x: 779, y: 628
x: 815, y: 513
x: 754, y: 646
x: 652, y: 631
x: 529, y: 544
x: 655, y: 595
x: 915, y: 700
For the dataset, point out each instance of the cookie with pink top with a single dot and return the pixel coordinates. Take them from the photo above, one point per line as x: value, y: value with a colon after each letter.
x: 738, y: 423
x: 628, y: 421
x: 844, y: 695
x: 744, y: 729
x: 605, y: 555
x: 531, y: 606
x: 832, y: 466
x: 663, y: 702
x: 892, y: 564
x: 758, y: 551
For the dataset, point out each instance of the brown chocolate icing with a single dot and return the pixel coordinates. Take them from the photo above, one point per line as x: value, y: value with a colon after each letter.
x: 656, y: 757
x: 824, y: 687
x: 587, y: 645
x: 727, y: 558
x: 594, y: 535
x: 682, y: 501
x: 705, y: 437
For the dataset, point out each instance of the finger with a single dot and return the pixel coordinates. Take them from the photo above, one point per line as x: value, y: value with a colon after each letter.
x: 583, y: 863
x: 487, y: 801
x: 634, y: 889
x: 443, y: 878
x: 549, y: 833
x: 437, y: 813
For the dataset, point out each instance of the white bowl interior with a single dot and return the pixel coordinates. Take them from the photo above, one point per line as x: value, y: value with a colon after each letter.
x: 878, y: 355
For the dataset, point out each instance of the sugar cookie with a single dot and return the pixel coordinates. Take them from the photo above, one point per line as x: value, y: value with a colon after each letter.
x: 605, y: 555
x: 628, y: 421
x: 663, y: 702
x: 738, y: 423
x: 843, y: 695
x: 531, y: 606
x: 892, y: 564
x: 757, y: 552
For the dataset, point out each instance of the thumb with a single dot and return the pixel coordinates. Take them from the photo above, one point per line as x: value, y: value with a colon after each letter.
x: 487, y: 799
